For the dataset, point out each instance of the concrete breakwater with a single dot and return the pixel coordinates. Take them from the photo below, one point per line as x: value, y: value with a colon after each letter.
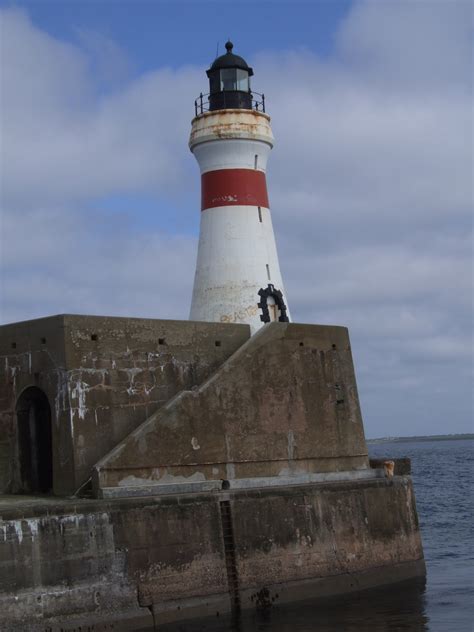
x: 216, y: 471
x: 71, y: 563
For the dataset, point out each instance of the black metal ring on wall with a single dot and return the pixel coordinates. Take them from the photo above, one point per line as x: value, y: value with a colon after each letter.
x: 280, y: 303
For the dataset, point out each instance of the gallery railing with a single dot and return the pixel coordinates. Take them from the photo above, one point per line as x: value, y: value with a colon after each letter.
x: 202, y: 103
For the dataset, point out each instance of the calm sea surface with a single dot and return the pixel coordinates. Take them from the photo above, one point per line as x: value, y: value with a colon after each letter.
x: 443, y: 478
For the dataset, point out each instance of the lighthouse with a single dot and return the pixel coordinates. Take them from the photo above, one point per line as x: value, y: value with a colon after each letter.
x: 238, y: 278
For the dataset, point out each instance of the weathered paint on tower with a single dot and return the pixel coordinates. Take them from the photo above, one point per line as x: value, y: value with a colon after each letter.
x: 238, y: 278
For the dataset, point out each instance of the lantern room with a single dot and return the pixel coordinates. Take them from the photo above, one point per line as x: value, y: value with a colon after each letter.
x: 229, y: 82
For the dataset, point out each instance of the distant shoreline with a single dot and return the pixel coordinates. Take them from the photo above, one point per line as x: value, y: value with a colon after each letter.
x: 447, y: 437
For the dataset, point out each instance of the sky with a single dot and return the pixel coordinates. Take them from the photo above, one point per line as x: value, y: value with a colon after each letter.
x: 370, y: 179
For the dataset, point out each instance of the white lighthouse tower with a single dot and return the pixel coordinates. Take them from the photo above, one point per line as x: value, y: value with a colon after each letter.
x: 238, y: 277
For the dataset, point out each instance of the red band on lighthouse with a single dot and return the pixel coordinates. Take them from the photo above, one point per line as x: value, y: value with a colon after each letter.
x: 233, y: 187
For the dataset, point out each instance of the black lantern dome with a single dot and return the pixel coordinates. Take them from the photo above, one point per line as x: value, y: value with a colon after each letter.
x: 229, y: 82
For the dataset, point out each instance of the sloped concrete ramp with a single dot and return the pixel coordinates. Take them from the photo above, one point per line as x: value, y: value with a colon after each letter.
x: 285, y: 404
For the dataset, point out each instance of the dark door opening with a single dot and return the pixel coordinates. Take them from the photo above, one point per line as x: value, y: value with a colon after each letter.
x: 35, y: 448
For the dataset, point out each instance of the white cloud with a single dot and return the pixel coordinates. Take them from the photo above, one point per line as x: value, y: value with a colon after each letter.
x: 70, y: 143
x: 107, y: 61
x: 57, y: 264
x: 370, y: 184
x: 409, y: 44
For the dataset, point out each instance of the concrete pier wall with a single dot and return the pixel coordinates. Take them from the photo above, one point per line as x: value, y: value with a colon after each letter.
x: 69, y: 563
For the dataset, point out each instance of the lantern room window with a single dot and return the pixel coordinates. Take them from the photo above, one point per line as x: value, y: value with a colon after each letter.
x: 234, y: 79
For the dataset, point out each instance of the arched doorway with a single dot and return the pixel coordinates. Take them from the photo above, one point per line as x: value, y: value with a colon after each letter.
x: 35, y: 450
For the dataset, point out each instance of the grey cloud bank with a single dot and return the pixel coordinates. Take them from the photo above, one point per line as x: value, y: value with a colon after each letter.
x: 370, y: 187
